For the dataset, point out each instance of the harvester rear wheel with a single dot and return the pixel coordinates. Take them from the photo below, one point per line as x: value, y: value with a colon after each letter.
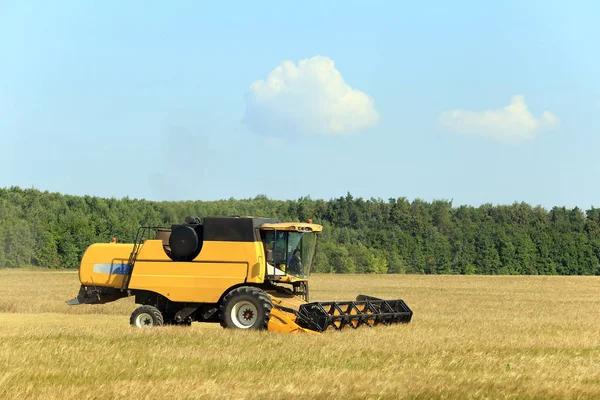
x: 146, y: 317
x: 246, y: 307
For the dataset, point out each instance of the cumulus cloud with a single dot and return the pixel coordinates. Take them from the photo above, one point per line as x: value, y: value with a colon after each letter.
x: 308, y: 98
x: 511, y: 124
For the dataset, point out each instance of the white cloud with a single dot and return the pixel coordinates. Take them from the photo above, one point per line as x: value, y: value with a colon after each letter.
x: 512, y: 124
x: 308, y: 98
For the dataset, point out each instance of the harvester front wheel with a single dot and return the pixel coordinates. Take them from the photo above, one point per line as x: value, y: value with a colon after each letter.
x: 146, y: 317
x: 246, y: 307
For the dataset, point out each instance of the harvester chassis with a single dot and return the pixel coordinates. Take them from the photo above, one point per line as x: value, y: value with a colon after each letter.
x: 316, y: 316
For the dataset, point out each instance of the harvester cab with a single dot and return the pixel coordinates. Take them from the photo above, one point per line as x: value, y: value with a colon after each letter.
x: 241, y: 272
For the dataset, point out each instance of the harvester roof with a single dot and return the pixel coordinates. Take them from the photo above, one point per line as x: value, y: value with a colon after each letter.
x: 263, y: 223
x: 293, y: 226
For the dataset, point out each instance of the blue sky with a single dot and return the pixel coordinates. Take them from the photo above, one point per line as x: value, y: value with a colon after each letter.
x: 156, y: 100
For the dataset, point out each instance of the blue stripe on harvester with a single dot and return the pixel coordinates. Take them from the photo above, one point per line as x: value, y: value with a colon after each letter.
x: 115, y: 269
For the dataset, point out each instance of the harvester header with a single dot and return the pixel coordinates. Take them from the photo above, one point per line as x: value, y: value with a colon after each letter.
x: 242, y: 272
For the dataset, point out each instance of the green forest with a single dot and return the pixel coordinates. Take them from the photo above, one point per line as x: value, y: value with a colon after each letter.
x: 52, y: 230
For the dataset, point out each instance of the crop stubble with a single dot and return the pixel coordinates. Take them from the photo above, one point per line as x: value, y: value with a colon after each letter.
x: 471, y: 337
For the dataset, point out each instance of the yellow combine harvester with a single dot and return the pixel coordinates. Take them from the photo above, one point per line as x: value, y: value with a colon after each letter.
x: 243, y: 272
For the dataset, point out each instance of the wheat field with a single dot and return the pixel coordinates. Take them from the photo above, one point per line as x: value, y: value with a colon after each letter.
x: 471, y: 337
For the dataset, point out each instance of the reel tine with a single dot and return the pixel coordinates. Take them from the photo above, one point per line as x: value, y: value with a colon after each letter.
x: 366, y: 310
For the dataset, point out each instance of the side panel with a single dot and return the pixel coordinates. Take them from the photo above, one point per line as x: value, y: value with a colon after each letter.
x: 103, y: 264
x: 219, y: 266
x: 198, y: 282
x: 256, y: 273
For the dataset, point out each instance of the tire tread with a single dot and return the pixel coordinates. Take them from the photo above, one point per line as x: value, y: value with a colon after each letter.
x: 155, y: 312
x: 264, y: 299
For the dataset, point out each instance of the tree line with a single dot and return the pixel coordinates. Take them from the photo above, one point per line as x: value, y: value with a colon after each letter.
x: 41, y: 228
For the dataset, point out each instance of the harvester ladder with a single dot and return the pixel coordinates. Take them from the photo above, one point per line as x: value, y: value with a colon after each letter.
x: 137, y: 244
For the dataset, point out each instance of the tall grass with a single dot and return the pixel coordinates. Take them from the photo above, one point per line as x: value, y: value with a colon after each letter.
x: 471, y: 337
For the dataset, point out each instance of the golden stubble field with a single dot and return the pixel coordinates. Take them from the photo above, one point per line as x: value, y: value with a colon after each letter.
x: 471, y: 337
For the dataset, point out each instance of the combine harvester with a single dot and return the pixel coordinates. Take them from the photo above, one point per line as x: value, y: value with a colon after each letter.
x: 243, y: 272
